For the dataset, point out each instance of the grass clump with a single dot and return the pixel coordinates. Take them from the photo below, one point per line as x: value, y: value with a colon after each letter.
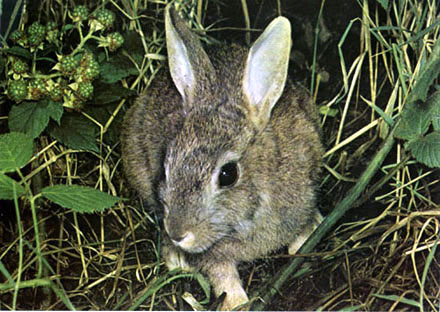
x: 69, y: 240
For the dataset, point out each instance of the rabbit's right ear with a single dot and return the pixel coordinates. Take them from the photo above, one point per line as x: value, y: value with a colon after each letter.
x: 190, y: 67
x: 266, y: 70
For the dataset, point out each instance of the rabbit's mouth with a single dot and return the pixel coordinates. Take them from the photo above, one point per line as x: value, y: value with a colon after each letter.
x: 192, y: 243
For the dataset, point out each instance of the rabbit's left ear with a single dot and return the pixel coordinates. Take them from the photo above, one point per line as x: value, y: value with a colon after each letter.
x: 266, y: 70
x: 190, y: 67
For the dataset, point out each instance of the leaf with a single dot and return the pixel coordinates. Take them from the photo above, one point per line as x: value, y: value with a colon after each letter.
x: 15, y: 151
x: 7, y: 187
x: 67, y: 27
x: 415, y: 121
x: 104, y: 94
x: 396, y: 298
x: 79, y: 198
x: 426, y: 149
x: 416, y: 115
x: 435, y: 111
x: 116, y: 69
x: 325, y: 110
x: 429, y: 72
x: 19, y: 51
x: 203, y: 282
x: 32, y: 117
x: 55, y: 110
x: 383, y: 3
x: 75, y: 131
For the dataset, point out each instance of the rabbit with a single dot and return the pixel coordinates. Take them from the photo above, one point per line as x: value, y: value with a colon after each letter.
x: 230, y: 149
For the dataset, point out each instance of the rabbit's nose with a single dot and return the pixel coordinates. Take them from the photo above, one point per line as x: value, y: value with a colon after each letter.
x: 185, y: 241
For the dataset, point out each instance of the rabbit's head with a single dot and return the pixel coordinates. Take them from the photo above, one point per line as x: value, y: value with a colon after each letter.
x: 218, y: 164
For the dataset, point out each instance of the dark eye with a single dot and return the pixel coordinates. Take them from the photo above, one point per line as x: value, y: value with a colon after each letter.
x: 228, y: 174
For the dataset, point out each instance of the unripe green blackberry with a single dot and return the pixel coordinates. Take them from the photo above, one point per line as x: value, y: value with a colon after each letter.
x: 115, y: 40
x: 51, y: 25
x: 85, y: 89
x: 56, y: 94
x: 17, y: 90
x: 19, y: 66
x: 89, y: 67
x: 52, y: 32
x: 104, y: 17
x: 36, y: 29
x: 68, y: 64
x: 37, y: 88
x: 36, y: 32
x: 79, y: 13
x: 17, y: 35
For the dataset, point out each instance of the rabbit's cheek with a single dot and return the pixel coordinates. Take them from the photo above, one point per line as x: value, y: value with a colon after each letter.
x: 243, y: 228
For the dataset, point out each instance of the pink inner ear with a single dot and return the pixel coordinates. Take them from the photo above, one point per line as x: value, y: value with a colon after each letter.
x: 178, y: 59
x: 266, y: 69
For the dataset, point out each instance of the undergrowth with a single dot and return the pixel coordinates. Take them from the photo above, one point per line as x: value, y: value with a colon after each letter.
x: 72, y: 235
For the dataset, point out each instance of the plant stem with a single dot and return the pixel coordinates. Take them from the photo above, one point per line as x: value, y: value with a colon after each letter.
x: 20, y: 250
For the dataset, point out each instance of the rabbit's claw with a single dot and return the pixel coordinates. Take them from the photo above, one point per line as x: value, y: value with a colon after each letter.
x: 235, y: 298
x: 175, y: 259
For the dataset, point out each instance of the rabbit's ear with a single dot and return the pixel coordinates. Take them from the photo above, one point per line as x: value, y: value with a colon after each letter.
x: 190, y: 66
x: 266, y: 70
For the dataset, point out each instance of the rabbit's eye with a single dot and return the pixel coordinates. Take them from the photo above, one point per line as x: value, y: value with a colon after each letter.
x: 228, y: 174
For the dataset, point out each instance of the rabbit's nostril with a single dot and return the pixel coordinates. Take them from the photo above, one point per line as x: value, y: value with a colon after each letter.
x: 177, y: 238
x: 184, y: 241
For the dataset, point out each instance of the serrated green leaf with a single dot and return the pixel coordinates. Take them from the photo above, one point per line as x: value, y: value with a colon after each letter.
x: 76, y: 132
x: 426, y: 149
x: 116, y: 69
x: 32, y: 117
x: 7, y: 187
x: 55, y: 110
x: 429, y: 72
x: 79, y: 198
x: 435, y: 111
x: 15, y: 151
x: 415, y: 121
x: 19, y: 51
x: 416, y: 116
x: 106, y: 95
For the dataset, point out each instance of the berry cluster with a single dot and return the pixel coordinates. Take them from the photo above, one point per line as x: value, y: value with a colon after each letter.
x: 79, y: 13
x: 36, y: 34
x: 104, y: 18
x: 17, y: 90
x: 71, y: 79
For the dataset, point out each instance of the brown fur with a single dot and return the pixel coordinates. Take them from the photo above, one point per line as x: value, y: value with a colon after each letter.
x: 274, y: 198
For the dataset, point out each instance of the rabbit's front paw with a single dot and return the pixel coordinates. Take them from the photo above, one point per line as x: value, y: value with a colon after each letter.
x: 235, y: 297
x: 175, y: 258
x: 301, y: 239
x: 225, y: 279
